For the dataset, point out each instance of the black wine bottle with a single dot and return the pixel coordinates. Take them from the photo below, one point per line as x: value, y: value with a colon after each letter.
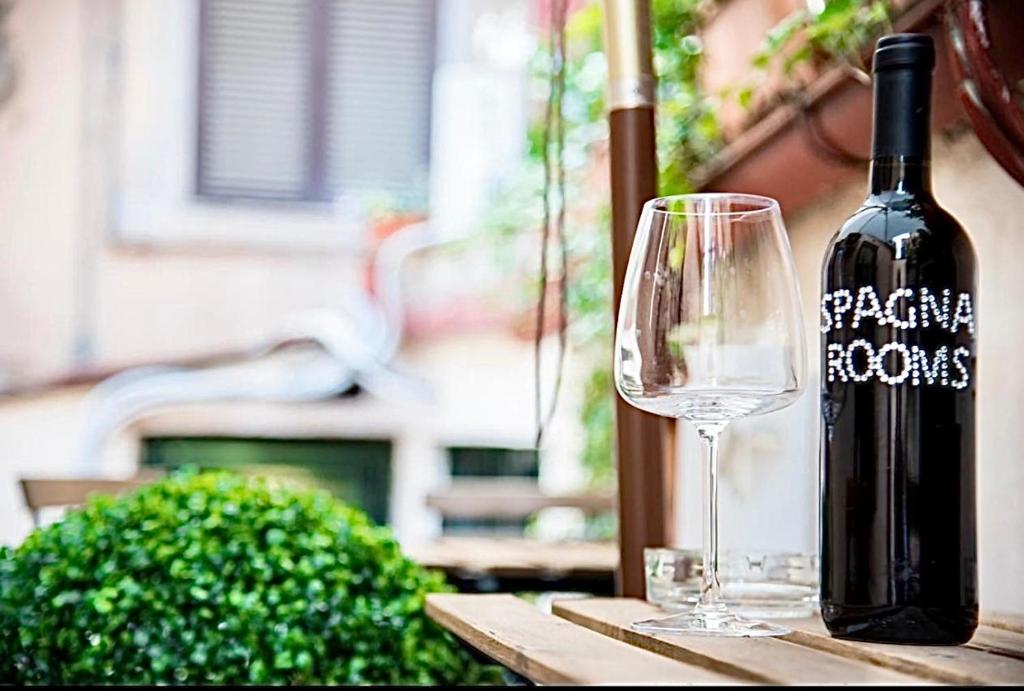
x: 898, y: 325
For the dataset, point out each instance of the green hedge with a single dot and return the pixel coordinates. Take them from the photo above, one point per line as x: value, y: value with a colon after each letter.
x: 214, y: 578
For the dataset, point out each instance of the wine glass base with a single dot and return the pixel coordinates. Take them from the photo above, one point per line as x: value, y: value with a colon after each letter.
x: 714, y: 623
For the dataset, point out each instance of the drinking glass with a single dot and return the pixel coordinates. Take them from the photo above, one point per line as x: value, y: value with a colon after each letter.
x: 710, y: 330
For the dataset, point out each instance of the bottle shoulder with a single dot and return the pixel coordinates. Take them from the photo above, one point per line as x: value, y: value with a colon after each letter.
x: 905, y: 226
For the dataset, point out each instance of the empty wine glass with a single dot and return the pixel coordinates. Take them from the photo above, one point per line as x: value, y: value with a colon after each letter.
x: 710, y: 330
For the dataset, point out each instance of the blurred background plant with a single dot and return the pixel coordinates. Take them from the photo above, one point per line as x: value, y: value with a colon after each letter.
x: 216, y: 578
x: 689, y: 134
x: 808, y: 41
x: 840, y: 30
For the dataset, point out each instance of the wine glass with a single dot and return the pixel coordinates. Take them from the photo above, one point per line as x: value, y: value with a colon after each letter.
x: 710, y: 330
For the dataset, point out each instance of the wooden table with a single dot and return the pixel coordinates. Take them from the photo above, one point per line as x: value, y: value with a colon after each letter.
x: 589, y: 641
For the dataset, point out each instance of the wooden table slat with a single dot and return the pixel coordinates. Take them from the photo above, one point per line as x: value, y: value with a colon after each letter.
x: 998, y: 641
x: 1002, y: 620
x: 969, y: 664
x: 759, y: 660
x: 549, y: 650
x: 590, y: 641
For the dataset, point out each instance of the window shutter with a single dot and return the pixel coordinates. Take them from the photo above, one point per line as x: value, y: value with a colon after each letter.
x: 254, y: 107
x: 381, y: 60
x: 310, y: 99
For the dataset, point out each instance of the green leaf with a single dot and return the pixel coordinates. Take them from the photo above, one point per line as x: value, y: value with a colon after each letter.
x: 283, y: 660
x: 745, y: 96
x: 68, y: 597
x: 837, y: 11
x: 692, y: 45
x: 778, y: 36
x: 797, y: 57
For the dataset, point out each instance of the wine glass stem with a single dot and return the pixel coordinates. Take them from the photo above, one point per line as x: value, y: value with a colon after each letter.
x: 711, y: 589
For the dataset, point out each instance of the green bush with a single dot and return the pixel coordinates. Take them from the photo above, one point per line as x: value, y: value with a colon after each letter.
x: 214, y: 578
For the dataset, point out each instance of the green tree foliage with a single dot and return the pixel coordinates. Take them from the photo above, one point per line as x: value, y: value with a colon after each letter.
x: 688, y: 129
x: 841, y: 30
x: 688, y: 135
x: 215, y: 578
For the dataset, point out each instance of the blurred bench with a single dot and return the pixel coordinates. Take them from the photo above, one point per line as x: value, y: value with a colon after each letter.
x: 489, y: 561
x: 509, y: 498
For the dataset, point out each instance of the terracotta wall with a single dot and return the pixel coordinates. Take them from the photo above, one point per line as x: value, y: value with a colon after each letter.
x: 731, y: 39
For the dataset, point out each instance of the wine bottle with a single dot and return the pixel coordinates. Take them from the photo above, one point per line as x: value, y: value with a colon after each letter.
x: 898, y: 325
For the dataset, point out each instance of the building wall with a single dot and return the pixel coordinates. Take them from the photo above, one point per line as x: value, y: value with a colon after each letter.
x: 478, y: 391
x: 106, y: 258
x: 71, y: 288
x: 39, y: 147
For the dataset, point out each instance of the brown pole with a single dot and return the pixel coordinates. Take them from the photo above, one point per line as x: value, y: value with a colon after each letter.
x: 645, y: 443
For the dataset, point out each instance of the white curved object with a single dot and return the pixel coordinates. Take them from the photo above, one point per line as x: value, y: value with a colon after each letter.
x: 352, y: 346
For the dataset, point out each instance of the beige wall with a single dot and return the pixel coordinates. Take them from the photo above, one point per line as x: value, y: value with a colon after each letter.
x: 39, y: 146
x: 105, y: 252
x: 990, y: 204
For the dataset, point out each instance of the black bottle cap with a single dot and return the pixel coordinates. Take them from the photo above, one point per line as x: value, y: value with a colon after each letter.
x: 905, y: 50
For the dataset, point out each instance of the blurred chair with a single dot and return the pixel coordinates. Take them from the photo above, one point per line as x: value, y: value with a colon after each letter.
x: 45, y: 493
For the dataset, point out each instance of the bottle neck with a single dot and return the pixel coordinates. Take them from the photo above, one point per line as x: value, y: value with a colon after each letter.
x: 901, y: 141
x: 900, y: 175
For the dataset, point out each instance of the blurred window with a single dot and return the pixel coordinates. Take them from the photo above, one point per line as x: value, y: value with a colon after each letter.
x: 309, y: 100
x: 356, y: 471
x: 469, y: 462
x: 486, y: 461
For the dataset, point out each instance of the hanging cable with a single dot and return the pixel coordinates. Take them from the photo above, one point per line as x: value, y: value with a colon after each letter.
x: 554, y: 127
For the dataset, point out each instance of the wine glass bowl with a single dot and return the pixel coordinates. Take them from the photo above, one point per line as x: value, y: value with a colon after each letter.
x: 710, y: 330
